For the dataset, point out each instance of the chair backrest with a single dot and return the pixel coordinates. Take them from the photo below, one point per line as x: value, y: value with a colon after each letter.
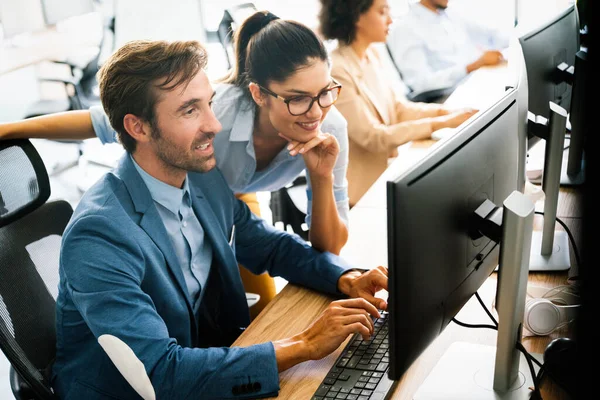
x: 284, y: 209
x: 232, y: 18
x: 30, y: 233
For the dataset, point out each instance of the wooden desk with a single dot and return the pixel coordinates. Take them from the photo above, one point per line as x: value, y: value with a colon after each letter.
x: 295, y: 307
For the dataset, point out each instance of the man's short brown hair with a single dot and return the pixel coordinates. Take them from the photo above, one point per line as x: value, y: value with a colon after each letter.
x: 130, y: 77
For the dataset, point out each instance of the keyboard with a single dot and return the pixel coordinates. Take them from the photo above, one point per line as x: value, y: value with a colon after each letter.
x: 360, y: 372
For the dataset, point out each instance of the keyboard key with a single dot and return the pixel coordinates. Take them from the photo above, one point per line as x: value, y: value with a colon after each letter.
x: 322, y: 390
x: 382, y: 367
x: 342, y: 363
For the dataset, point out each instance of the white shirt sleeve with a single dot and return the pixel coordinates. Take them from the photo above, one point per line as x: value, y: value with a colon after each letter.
x: 408, y: 52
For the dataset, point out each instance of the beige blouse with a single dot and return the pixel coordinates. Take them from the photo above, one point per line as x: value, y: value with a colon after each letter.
x: 379, y: 119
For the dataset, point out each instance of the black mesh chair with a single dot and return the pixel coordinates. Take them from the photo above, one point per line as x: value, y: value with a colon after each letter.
x: 284, y: 209
x: 30, y: 233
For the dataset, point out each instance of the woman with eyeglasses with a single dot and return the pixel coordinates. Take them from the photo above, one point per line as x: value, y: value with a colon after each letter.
x: 379, y: 120
x: 276, y: 109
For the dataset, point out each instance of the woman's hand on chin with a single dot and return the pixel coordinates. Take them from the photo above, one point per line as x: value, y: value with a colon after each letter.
x: 320, y: 153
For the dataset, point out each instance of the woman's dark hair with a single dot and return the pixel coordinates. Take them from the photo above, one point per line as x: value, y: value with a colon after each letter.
x: 268, y: 48
x: 338, y: 18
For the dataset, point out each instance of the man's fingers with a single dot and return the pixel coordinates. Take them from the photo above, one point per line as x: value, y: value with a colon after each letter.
x: 379, y: 279
x: 358, y: 302
x: 360, y: 328
x: 360, y: 318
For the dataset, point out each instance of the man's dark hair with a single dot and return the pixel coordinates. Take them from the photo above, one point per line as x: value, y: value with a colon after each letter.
x: 338, y: 18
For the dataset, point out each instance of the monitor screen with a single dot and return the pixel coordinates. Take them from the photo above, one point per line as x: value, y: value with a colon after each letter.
x: 22, y: 16
x: 434, y: 264
x: 544, y: 48
x: 56, y: 11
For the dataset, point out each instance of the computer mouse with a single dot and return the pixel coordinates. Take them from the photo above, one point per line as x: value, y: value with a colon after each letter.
x: 561, y: 362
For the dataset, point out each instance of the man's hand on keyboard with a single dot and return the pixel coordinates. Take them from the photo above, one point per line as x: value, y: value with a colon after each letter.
x: 340, y: 319
x: 365, y: 285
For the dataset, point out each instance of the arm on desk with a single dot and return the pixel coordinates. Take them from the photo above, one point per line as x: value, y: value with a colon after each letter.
x: 69, y: 125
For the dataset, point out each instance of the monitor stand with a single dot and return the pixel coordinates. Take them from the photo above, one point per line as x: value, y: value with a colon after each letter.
x: 466, y: 372
x: 567, y: 178
x: 550, y: 248
x: 573, y: 160
x: 469, y: 371
x: 558, y: 259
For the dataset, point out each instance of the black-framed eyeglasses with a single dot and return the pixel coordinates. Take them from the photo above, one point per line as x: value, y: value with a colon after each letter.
x: 299, y: 105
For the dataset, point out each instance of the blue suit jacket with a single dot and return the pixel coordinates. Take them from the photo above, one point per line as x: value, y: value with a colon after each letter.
x: 119, y: 275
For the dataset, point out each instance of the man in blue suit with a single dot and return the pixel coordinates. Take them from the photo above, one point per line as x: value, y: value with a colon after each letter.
x: 151, y: 253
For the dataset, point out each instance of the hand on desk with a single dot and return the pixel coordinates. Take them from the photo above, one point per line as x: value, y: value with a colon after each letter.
x: 452, y: 118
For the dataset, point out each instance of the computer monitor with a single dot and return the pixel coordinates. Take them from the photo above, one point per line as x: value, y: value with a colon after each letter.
x: 545, y: 47
x: 56, y: 11
x: 550, y: 56
x: 436, y: 263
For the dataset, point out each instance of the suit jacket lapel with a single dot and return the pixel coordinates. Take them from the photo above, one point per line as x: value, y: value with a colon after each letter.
x: 352, y: 64
x: 235, y: 306
x: 151, y: 222
x: 211, y: 226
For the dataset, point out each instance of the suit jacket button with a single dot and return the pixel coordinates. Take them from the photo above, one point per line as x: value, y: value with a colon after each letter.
x: 235, y: 390
x: 257, y: 387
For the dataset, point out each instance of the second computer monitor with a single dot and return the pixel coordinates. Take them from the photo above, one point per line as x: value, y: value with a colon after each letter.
x: 549, y: 45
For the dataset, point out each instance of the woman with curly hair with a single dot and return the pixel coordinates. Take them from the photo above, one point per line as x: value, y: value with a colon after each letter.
x: 379, y: 120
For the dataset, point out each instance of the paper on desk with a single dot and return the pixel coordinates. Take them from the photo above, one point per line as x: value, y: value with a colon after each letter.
x: 128, y: 365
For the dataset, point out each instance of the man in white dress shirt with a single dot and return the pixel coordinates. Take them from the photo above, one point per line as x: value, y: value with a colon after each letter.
x: 434, y: 47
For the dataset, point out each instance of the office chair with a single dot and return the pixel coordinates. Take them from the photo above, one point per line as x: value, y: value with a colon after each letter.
x: 232, y: 18
x: 284, y: 209
x: 81, y: 88
x: 30, y: 232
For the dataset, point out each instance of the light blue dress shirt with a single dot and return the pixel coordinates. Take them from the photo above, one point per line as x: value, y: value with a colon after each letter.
x: 234, y: 149
x: 187, y: 236
x: 432, y: 50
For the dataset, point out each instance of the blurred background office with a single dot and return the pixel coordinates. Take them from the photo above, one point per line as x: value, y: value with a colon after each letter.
x: 51, y: 49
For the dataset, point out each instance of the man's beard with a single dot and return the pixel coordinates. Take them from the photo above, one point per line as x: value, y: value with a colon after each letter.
x: 175, y: 156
